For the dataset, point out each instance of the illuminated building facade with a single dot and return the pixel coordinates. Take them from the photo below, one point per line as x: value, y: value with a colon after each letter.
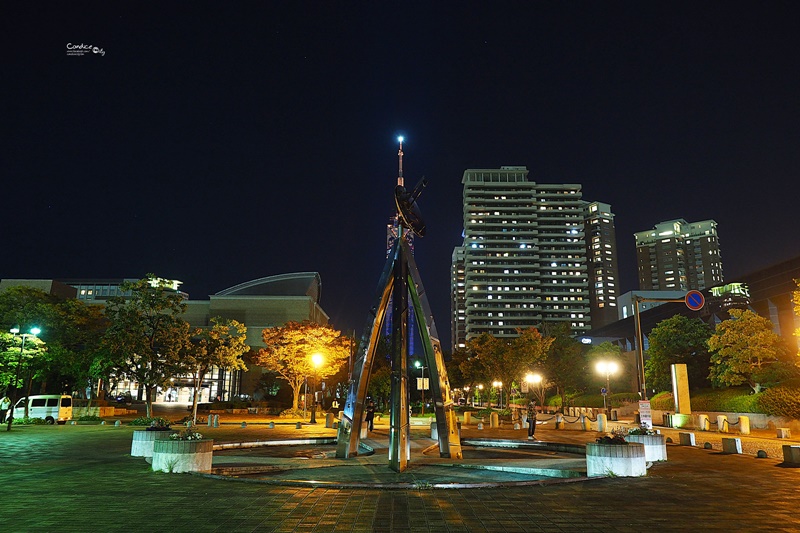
x: 523, y: 260
x: 601, y: 254
x: 679, y: 255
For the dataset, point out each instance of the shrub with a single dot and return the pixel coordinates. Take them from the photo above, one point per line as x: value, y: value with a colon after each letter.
x: 663, y: 401
x: 780, y: 401
x: 298, y: 413
x: 89, y: 418
x: 156, y: 421
x: 29, y: 420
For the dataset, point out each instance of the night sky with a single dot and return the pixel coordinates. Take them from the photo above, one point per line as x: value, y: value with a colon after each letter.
x: 220, y: 144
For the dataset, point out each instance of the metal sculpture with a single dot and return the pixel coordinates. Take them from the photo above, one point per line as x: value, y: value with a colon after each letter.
x: 400, y: 280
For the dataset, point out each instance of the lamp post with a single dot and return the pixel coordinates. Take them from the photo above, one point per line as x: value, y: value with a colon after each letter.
x: 34, y: 332
x: 419, y: 365
x: 480, y: 395
x: 317, y: 361
x: 607, y: 368
x: 534, y: 382
x: 499, y: 385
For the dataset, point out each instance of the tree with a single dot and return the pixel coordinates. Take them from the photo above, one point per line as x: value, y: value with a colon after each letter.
x: 492, y: 358
x: 746, y: 350
x: 605, y: 351
x: 796, y: 301
x: 222, y: 345
x: 566, y: 365
x: 678, y: 340
x: 146, y: 336
x: 288, y: 350
x: 70, y: 328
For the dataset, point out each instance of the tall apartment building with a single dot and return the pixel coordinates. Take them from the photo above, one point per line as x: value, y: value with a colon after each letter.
x: 523, y: 259
x: 601, y: 253
x: 679, y: 255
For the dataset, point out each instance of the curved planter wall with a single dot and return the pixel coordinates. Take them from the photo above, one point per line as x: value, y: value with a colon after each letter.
x: 178, y: 456
x: 621, y: 460
x: 142, y: 441
x: 655, y: 446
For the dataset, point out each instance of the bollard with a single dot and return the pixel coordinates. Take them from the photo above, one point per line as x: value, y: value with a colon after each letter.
x: 272, y: 425
x: 298, y: 425
x: 467, y: 418
x: 364, y: 431
x: 216, y: 421
x: 602, y: 423
x: 559, y: 421
x: 329, y: 420
x: 730, y: 445
x: 722, y: 424
x: 335, y: 425
x: 244, y: 424
x: 784, y: 433
x: 586, y: 424
x: 494, y: 420
x: 210, y: 421
x: 103, y: 423
x: 702, y: 423
x: 118, y: 423
x: 614, y: 415
x: 744, y: 425
x: 434, y: 431
x: 686, y: 439
x: 480, y: 425
x: 73, y: 423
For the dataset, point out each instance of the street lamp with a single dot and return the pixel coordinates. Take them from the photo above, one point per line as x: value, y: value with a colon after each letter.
x: 34, y: 332
x: 499, y: 385
x: 607, y: 368
x: 480, y: 395
x: 317, y: 361
x: 419, y: 365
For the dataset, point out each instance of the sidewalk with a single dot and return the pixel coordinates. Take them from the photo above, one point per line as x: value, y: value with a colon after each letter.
x: 81, y: 478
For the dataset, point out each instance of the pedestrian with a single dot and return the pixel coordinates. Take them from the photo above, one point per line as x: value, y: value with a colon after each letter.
x: 5, y: 403
x: 531, y: 420
x: 370, y: 418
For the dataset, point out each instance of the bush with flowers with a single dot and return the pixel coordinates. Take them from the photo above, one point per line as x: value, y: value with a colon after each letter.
x: 187, y: 434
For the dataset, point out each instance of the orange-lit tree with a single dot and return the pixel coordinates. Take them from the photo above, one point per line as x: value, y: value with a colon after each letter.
x: 288, y: 350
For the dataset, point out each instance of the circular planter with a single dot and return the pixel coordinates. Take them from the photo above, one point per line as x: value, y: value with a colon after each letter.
x: 619, y: 460
x: 655, y: 446
x: 178, y: 456
x: 142, y: 441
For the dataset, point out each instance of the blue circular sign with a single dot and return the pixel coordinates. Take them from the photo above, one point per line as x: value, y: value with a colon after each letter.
x: 695, y: 300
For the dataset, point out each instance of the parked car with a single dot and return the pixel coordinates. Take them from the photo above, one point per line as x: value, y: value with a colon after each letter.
x: 124, y: 397
x: 50, y: 407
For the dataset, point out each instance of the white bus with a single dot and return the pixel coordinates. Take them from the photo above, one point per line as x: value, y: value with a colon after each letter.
x: 51, y: 407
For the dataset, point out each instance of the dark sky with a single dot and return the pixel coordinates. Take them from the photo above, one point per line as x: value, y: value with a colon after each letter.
x: 220, y: 143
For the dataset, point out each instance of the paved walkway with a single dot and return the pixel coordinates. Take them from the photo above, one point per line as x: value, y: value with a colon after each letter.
x: 82, y: 478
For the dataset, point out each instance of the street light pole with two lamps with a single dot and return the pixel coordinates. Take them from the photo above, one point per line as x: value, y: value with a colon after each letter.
x: 34, y: 332
x: 419, y: 365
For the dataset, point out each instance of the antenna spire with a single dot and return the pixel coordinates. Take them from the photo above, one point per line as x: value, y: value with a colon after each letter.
x: 400, y: 180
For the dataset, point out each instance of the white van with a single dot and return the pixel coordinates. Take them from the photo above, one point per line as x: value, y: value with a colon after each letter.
x: 51, y: 407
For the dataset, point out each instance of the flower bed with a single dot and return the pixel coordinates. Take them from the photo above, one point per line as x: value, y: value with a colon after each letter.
x: 655, y: 446
x: 178, y: 456
x: 142, y: 441
x: 621, y: 460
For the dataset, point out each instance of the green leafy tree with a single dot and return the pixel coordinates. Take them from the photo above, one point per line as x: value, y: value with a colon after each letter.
x: 678, y: 340
x: 70, y: 328
x: 566, y: 364
x: 147, y: 335
x: 222, y: 345
x: 492, y: 358
x: 607, y: 352
x: 289, y: 348
x: 746, y: 350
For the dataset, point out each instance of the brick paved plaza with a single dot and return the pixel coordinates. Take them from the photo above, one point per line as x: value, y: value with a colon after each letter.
x: 82, y: 478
